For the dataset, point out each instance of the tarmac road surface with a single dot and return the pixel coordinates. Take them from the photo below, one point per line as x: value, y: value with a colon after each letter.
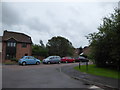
x: 38, y: 76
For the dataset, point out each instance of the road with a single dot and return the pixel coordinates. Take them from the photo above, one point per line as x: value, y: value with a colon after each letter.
x: 0, y: 76
x: 38, y: 76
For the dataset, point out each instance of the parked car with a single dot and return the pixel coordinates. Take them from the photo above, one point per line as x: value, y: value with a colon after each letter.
x: 28, y: 60
x: 67, y: 59
x: 81, y: 58
x: 52, y: 59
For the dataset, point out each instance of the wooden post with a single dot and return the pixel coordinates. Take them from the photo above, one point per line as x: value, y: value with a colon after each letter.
x: 86, y: 65
x: 79, y: 65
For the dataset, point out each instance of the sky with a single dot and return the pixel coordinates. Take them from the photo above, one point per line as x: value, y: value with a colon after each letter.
x: 44, y: 20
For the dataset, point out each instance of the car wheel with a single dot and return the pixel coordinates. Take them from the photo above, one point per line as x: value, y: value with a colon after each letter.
x: 66, y: 61
x: 24, y: 63
x: 37, y: 63
x: 73, y: 61
x: 59, y: 62
x: 49, y: 62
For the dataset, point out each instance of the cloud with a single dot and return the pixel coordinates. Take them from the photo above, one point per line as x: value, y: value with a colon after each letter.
x: 10, y: 16
x: 42, y: 21
x: 37, y: 24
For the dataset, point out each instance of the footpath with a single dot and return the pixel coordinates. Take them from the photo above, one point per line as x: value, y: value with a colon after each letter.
x: 100, y: 81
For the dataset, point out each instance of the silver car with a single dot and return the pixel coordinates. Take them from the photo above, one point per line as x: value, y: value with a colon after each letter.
x: 52, y: 59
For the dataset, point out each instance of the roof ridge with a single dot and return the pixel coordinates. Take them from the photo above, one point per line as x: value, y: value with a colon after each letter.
x: 20, y: 37
x: 16, y: 33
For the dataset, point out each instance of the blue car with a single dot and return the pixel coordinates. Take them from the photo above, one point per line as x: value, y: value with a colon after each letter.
x: 28, y: 60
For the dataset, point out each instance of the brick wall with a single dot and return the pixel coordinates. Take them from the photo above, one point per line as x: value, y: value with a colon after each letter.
x: 20, y: 51
x: 86, y: 51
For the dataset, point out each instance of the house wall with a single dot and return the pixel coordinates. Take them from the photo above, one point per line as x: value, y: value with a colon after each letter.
x: 20, y: 51
x: 86, y: 51
x: 76, y: 53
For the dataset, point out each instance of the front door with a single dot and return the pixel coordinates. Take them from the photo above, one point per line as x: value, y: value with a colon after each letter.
x: 10, y: 49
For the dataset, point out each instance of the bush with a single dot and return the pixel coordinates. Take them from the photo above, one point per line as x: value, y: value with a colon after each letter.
x: 14, y: 59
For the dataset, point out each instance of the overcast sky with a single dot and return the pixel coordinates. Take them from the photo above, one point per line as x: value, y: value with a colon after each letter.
x: 44, y: 20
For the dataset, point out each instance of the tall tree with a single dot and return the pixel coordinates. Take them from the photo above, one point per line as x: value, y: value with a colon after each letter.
x: 105, y: 43
x: 41, y: 44
x: 60, y: 46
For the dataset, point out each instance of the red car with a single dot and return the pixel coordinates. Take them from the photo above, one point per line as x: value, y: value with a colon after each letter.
x: 67, y: 59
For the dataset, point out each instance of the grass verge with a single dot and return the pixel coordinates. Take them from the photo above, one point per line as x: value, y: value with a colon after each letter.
x: 9, y: 63
x: 92, y: 69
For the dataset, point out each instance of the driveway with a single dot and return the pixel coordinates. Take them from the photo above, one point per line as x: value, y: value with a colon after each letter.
x: 38, y: 76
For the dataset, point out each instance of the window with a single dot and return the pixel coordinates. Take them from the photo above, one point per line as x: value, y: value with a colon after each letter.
x: 8, y: 44
x: 26, y: 57
x: 24, y: 45
x: 14, y: 44
x: 11, y: 44
x: 31, y: 57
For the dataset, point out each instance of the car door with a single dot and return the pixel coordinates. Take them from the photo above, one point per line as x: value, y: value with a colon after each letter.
x: 26, y: 60
x: 31, y: 60
x: 69, y: 59
x: 56, y: 59
x: 52, y: 59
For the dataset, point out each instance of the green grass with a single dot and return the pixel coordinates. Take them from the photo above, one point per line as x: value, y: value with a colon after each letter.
x: 92, y: 69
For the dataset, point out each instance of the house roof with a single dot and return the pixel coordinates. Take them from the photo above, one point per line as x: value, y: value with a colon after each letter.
x: 19, y: 37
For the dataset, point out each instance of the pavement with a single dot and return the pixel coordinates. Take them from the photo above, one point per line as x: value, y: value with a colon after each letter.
x: 102, y: 82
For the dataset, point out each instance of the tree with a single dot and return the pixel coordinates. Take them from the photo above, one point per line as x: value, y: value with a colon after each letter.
x: 41, y: 44
x: 60, y: 46
x: 105, y: 43
x: 39, y: 50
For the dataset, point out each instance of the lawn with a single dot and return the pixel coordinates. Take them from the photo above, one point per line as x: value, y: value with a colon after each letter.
x: 10, y: 63
x: 92, y: 69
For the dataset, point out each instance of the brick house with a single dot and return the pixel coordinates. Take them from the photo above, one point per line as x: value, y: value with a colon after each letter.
x: 15, y: 45
x: 86, y: 50
x: 76, y: 52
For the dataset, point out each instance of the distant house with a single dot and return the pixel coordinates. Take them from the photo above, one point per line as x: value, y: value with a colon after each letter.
x: 86, y: 50
x: 76, y: 52
x: 0, y: 48
x: 15, y: 45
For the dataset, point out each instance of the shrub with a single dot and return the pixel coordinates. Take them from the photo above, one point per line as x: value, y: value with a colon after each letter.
x: 14, y: 59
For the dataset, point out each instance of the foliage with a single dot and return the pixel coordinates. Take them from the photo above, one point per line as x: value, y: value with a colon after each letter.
x: 41, y: 44
x: 10, y: 63
x: 14, y: 59
x: 92, y: 69
x: 105, y: 43
x: 59, y: 46
x: 39, y: 50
